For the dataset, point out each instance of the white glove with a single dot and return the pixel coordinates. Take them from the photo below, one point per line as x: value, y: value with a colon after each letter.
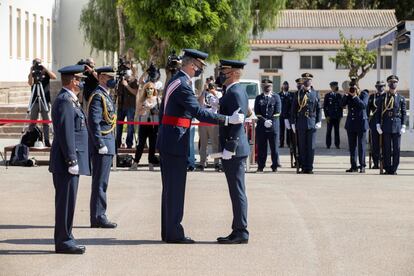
x: 293, y: 128
x: 227, y: 154
x: 379, y: 130
x: 287, y: 124
x: 236, y: 118
x: 402, y: 129
x: 103, y: 150
x: 318, y: 125
x: 74, y: 170
x: 268, y: 123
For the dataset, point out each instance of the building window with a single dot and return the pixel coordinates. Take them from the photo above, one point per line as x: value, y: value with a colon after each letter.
x: 311, y: 62
x: 34, y: 36
x: 386, y: 63
x: 19, y: 33
x: 26, y: 36
x: 10, y: 31
x: 271, y: 62
x: 49, y: 42
x: 42, y: 38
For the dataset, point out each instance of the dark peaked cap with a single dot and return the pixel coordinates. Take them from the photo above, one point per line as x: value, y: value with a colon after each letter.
x: 393, y: 78
x: 225, y: 63
x: 109, y: 70
x: 196, y: 54
x: 75, y: 70
x: 307, y: 76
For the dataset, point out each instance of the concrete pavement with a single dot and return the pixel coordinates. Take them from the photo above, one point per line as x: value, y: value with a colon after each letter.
x: 329, y: 223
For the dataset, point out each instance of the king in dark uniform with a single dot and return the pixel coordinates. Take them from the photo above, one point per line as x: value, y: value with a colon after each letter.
x: 333, y: 114
x: 69, y: 157
x: 179, y: 106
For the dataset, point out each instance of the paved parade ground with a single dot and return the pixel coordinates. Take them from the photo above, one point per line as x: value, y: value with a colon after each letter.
x: 329, y: 223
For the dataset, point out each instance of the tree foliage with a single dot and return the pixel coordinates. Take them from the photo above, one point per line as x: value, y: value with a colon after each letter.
x: 355, y: 56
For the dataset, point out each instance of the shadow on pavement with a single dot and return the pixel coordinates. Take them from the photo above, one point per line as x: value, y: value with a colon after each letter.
x: 95, y: 241
x: 26, y: 252
x: 17, y: 227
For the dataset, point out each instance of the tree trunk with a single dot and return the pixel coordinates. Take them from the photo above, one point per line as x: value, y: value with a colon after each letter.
x: 121, y: 29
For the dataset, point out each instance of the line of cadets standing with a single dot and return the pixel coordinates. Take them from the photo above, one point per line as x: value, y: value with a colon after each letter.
x: 298, y: 114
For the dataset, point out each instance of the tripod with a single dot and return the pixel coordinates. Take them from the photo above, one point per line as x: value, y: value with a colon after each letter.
x: 37, y: 98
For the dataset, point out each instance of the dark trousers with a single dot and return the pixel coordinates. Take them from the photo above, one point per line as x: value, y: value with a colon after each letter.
x: 263, y: 138
x: 66, y: 188
x: 375, y: 146
x: 333, y: 123
x: 282, y: 132
x: 357, y: 147
x: 101, y: 167
x: 391, y: 150
x: 144, y: 133
x: 174, y: 176
x: 306, y: 145
x: 129, y: 113
x: 234, y: 170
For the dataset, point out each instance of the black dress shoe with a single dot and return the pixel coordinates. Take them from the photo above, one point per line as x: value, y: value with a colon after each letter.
x: 199, y: 168
x: 233, y: 240
x: 351, y: 170
x: 185, y: 240
x: 231, y: 236
x: 80, y: 249
x: 279, y: 165
x: 362, y: 170
x: 47, y: 143
x: 107, y: 224
x: 274, y: 169
x: 375, y: 167
x: 190, y: 169
x: 259, y: 170
x: 307, y: 172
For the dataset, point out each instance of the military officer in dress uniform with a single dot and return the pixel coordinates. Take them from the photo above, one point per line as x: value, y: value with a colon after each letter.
x: 333, y: 114
x: 267, y: 107
x: 233, y: 141
x: 372, y: 110
x: 179, y: 106
x: 306, y: 119
x: 356, y: 125
x: 391, y: 124
x: 286, y: 99
x: 101, y: 121
x: 69, y: 156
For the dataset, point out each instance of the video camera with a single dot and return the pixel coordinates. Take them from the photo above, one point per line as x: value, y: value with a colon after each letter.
x: 173, y: 63
x: 153, y: 73
x: 84, y: 62
x: 37, y: 71
x: 123, y: 67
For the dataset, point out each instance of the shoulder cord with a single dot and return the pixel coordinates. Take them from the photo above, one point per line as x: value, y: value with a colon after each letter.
x: 389, y: 105
x: 110, y: 120
x: 303, y: 103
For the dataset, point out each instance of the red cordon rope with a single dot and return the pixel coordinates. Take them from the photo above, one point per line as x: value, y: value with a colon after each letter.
x: 15, y: 121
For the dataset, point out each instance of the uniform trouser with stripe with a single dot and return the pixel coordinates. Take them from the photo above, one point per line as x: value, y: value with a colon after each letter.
x: 357, y: 147
x: 306, y: 145
x: 212, y: 133
x: 234, y: 170
x: 101, y: 167
x: 174, y: 176
x: 66, y: 188
x: 391, y: 149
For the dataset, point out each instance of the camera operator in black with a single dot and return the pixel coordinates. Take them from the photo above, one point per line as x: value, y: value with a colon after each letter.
x: 40, y: 74
x: 126, y: 98
x: 91, y: 80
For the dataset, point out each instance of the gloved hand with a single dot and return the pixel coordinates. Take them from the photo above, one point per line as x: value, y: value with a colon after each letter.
x: 402, y: 129
x: 236, y: 118
x: 74, y: 169
x: 227, y: 154
x: 103, y: 150
x: 379, y: 130
x: 318, y: 125
x: 293, y: 128
x: 268, y: 123
x: 287, y: 124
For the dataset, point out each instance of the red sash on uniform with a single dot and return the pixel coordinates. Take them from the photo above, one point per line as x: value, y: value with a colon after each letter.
x: 176, y: 121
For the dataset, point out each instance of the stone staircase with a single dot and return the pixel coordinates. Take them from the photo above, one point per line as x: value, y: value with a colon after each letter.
x: 15, y: 111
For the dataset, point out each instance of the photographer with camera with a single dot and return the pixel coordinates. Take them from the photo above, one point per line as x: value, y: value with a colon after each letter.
x: 148, y: 105
x: 39, y: 80
x: 152, y: 74
x: 126, y: 93
x: 91, y: 80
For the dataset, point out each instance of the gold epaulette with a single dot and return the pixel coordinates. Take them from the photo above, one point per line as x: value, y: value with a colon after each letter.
x: 110, y: 120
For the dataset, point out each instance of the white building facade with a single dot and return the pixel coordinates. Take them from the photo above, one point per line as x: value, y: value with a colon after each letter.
x: 305, y: 40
